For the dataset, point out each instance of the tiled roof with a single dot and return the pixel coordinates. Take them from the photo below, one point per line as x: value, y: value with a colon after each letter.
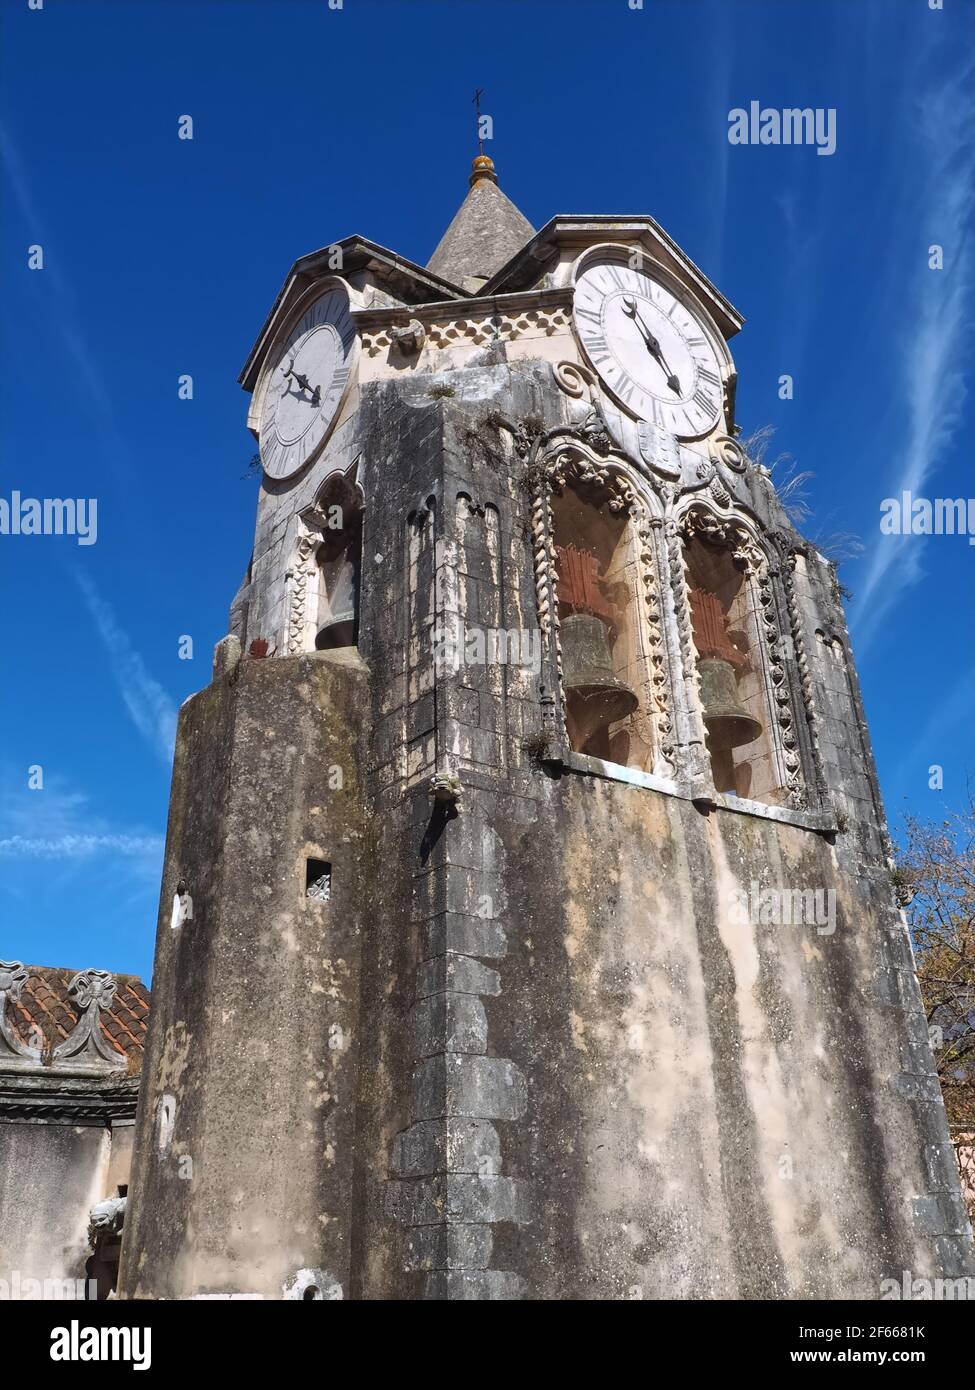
x: 44, y: 1004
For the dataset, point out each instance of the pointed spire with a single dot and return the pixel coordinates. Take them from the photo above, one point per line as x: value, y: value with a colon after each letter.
x: 486, y: 232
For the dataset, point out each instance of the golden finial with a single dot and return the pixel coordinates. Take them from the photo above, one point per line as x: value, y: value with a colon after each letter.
x: 483, y: 168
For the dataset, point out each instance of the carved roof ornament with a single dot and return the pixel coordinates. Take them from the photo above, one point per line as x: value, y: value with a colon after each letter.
x: 14, y: 1055
x: 86, y: 1048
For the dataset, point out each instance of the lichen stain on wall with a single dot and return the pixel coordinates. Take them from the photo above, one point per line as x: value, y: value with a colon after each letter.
x: 639, y: 1006
x: 766, y: 1091
x: 260, y: 1255
x: 284, y: 924
x: 173, y: 1060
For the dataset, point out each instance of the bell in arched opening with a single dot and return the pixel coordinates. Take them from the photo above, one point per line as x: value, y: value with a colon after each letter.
x: 720, y: 662
x: 338, y: 587
x: 595, y: 697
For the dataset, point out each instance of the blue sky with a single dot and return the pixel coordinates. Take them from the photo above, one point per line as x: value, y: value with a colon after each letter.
x: 162, y: 257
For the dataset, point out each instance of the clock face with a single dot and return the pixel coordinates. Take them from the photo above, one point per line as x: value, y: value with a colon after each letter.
x: 307, y: 384
x: 651, y: 351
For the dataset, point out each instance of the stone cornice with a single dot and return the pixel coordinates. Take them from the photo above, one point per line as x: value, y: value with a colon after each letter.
x: 477, y: 306
x: 52, y: 1099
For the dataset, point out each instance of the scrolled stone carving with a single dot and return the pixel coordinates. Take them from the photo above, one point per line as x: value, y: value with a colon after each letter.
x: 574, y: 379
x: 14, y: 1055
x: 730, y: 452
x: 13, y: 976
x: 86, y: 1048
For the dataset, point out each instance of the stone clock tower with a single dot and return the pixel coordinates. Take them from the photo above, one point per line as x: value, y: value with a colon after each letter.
x: 527, y: 929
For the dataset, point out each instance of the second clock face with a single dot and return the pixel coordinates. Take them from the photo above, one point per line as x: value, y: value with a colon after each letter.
x: 654, y: 355
x: 307, y: 384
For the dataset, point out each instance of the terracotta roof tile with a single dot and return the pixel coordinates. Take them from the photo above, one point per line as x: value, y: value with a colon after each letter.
x: 44, y: 1004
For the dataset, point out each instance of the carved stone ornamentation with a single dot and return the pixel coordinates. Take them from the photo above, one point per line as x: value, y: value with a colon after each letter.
x: 473, y: 330
x: 574, y: 379
x: 694, y: 757
x: 802, y: 663
x: 410, y: 338
x: 659, y: 449
x: 14, y: 1055
x: 753, y: 561
x: 105, y: 1221
x: 569, y: 461
x: 730, y: 452
x: 594, y: 432
x: 300, y: 576
x: 659, y: 673
x: 594, y: 480
x: 445, y: 787
x: 86, y: 1049
x: 781, y: 692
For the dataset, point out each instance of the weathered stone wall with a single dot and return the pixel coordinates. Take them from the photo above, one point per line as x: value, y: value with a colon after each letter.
x: 531, y: 1048
x: 620, y: 1087
x: 716, y: 1108
x: 51, y: 1175
x: 243, y: 1181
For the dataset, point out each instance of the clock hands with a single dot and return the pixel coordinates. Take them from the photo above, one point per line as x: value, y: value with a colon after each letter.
x: 302, y: 381
x: 653, y: 346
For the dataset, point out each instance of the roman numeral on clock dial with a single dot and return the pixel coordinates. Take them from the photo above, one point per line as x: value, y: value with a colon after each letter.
x: 652, y: 351
x: 305, y: 383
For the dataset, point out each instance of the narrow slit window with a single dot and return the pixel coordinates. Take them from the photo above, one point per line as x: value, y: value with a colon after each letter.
x: 318, y: 880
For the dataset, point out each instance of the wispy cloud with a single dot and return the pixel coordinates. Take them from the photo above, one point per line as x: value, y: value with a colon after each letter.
x: 57, y: 849
x: 150, y: 708
x: 68, y: 320
x: 79, y: 846
x: 934, y: 355
x: 59, y: 820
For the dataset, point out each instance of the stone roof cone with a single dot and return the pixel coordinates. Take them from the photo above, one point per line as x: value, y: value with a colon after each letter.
x: 486, y: 232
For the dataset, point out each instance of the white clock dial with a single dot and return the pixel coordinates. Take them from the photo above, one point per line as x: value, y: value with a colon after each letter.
x: 307, y: 383
x: 650, y: 349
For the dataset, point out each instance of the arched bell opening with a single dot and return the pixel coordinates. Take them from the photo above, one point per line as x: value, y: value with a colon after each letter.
x: 603, y: 645
x: 338, y: 560
x: 731, y: 672
x: 338, y: 565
